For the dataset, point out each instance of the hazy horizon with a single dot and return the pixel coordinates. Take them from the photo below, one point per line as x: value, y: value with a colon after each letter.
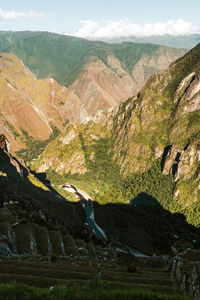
x: 105, y: 19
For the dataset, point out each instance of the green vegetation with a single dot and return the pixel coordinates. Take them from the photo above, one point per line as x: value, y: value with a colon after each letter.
x: 67, y: 195
x: 192, y: 212
x: 23, y: 292
x: 9, y: 38
x: 102, y: 176
x: 129, y: 54
x: 194, y: 119
x: 102, y: 167
x: 110, y: 194
x: 15, y: 132
x: 189, y: 201
x: 36, y: 182
x: 102, y: 179
x: 153, y: 183
x: 35, y: 147
x: 100, y: 171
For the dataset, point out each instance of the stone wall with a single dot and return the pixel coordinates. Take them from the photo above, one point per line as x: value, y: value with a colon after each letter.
x: 185, y: 270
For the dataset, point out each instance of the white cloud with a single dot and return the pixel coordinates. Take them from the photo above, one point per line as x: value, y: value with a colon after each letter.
x: 87, y: 30
x: 14, y: 15
x: 125, y: 28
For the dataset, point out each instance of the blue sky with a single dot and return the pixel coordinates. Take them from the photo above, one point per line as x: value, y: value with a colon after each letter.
x: 102, y: 17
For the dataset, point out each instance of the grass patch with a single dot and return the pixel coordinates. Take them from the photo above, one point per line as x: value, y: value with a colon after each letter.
x: 24, y: 292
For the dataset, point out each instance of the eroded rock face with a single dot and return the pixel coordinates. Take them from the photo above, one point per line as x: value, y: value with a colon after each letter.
x: 182, y: 163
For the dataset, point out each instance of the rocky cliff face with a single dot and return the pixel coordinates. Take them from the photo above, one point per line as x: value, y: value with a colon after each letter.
x: 32, y: 106
x: 155, y: 134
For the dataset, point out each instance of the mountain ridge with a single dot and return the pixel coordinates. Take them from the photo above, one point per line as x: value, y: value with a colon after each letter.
x: 187, y: 41
x: 101, y: 74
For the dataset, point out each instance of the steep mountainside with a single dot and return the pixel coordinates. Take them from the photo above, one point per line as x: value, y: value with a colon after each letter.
x: 31, y: 108
x: 101, y: 74
x: 149, y: 145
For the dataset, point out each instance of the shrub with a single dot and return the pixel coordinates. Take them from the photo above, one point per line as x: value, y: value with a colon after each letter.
x: 2, y: 137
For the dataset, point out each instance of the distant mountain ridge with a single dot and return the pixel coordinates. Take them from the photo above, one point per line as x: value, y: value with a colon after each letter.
x: 175, y: 41
x: 101, y: 74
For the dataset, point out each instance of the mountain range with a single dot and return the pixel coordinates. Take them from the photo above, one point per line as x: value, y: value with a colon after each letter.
x: 187, y: 41
x: 100, y: 74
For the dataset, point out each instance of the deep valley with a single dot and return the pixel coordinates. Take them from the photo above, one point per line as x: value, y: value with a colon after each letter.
x: 99, y: 169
